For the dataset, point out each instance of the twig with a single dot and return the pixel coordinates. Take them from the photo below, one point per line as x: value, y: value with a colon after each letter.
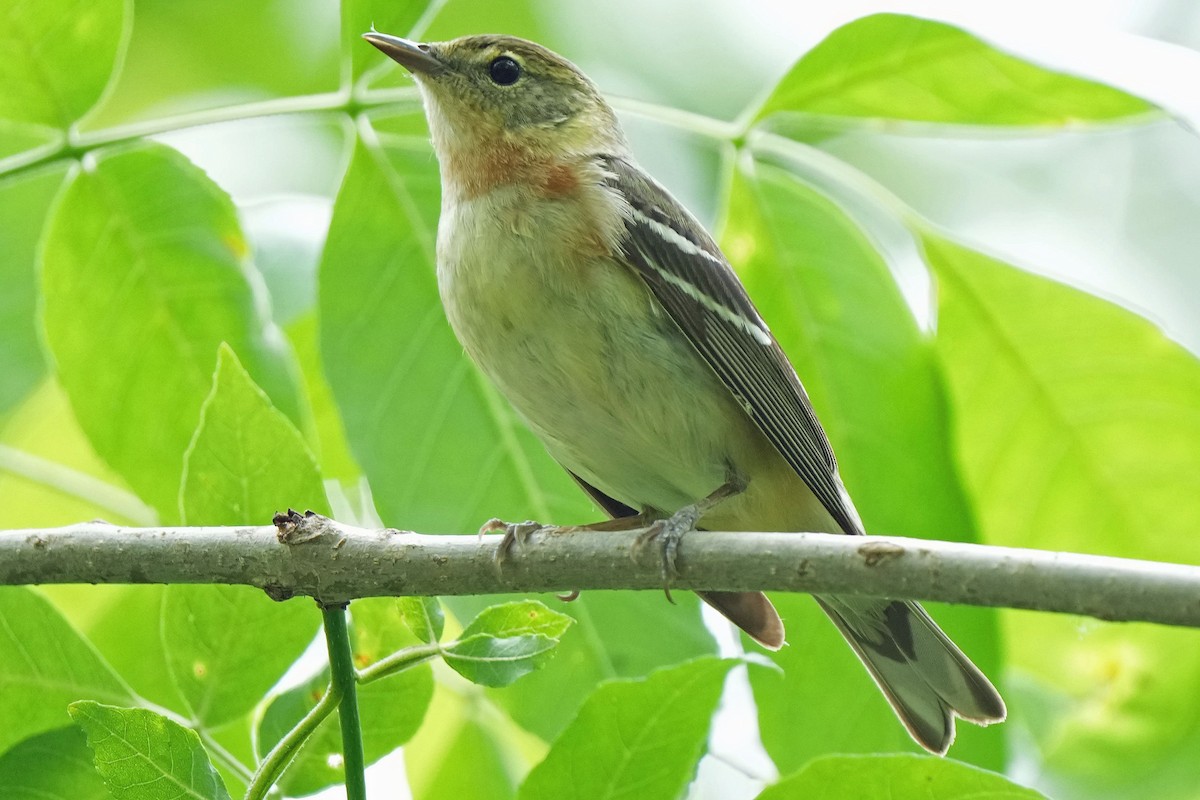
x: 334, y: 563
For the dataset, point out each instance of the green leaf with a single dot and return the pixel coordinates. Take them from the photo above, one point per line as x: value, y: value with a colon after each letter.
x: 900, y: 67
x: 391, y: 709
x: 124, y: 624
x: 227, y: 645
x: 144, y: 273
x: 1078, y: 425
x: 898, y: 777
x: 607, y: 643
x: 443, y: 452
x: 44, y: 665
x: 59, y: 56
x: 639, y: 738
x: 872, y: 376
x: 1078, y: 422
x: 506, y: 642
x: 144, y: 756
x: 423, y: 616
x: 55, y: 765
x: 24, y: 201
x: 247, y: 461
x: 465, y: 749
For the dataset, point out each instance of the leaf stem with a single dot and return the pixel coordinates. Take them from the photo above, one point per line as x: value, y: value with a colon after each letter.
x: 341, y: 667
x: 125, y: 505
x: 397, y: 662
x: 285, y: 749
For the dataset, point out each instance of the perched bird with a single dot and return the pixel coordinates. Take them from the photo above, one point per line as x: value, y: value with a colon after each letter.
x: 614, y: 325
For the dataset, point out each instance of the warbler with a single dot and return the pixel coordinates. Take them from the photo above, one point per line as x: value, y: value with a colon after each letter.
x: 614, y: 325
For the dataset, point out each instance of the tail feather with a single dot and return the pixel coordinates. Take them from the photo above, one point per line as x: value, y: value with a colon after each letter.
x: 752, y: 612
x: 923, y: 674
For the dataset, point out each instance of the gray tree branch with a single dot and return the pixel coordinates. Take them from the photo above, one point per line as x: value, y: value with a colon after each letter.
x: 333, y: 562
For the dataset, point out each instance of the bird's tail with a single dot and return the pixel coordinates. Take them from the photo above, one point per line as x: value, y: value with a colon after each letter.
x: 752, y: 612
x: 923, y: 674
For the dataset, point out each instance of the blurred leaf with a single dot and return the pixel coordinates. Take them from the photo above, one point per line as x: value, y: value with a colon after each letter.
x: 464, y: 749
x: 24, y: 201
x: 907, y: 68
x: 227, y: 645
x: 144, y: 756
x: 443, y: 452
x: 144, y: 273
x: 247, y: 461
x: 186, y: 56
x: 333, y: 452
x: 391, y: 709
x: 837, y: 312
x: 73, y: 483
x: 55, y: 765
x: 1078, y: 422
x: 1111, y: 709
x: 44, y: 665
x: 898, y: 777
x: 638, y: 738
x: 124, y: 624
x: 423, y: 616
x: 506, y: 642
x: 46, y: 78
x: 617, y: 635
x: 396, y: 17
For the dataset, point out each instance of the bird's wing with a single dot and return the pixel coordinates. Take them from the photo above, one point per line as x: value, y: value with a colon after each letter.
x: 691, y: 279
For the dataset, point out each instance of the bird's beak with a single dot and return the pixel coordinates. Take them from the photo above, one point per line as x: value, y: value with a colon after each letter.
x: 413, y: 56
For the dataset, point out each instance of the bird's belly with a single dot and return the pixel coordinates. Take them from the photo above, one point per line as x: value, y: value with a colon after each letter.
x: 618, y: 396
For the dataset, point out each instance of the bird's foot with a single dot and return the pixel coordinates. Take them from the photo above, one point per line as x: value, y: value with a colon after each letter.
x: 669, y: 533
x: 515, y: 535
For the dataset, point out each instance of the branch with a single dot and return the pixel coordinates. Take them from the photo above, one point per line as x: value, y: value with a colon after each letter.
x: 321, y: 558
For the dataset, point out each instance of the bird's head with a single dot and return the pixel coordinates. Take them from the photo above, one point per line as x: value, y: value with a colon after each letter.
x: 499, y: 104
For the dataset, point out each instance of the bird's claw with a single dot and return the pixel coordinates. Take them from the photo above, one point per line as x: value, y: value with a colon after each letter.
x: 515, y: 534
x: 670, y: 533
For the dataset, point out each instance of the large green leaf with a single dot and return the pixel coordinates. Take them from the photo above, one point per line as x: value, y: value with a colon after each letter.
x: 227, y: 645
x: 899, y: 777
x: 55, y: 765
x: 24, y: 201
x: 144, y: 756
x: 442, y: 450
x: 831, y: 301
x: 638, y: 738
x: 1078, y: 425
x: 44, y: 666
x: 144, y: 273
x: 247, y: 461
x: 1078, y: 422
x: 907, y: 68
x: 58, y: 57
x: 391, y: 709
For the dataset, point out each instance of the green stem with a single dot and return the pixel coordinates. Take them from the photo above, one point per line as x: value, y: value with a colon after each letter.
x: 341, y: 667
x: 285, y: 750
x: 399, y: 661
x: 80, y: 143
x: 126, y: 506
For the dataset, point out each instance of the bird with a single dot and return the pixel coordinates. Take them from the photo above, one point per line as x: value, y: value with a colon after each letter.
x: 617, y: 329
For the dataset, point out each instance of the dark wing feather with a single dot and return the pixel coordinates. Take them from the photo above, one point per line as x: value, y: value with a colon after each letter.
x: 687, y: 273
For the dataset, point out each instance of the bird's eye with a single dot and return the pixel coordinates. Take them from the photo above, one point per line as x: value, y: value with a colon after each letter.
x: 504, y: 71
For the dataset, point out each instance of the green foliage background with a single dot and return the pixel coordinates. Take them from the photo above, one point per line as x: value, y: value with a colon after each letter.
x: 210, y: 346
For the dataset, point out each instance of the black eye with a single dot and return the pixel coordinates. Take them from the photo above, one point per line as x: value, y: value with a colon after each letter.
x: 504, y: 71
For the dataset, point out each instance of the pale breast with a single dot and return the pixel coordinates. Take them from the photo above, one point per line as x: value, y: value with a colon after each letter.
x: 576, y: 343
